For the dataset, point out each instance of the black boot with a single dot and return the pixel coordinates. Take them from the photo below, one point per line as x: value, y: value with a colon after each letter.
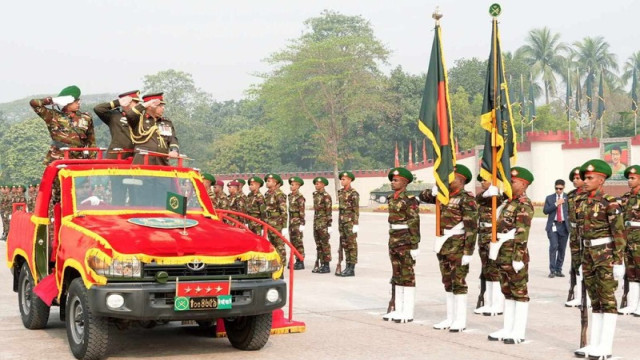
x: 349, y: 271
x: 299, y: 265
x: 324, y: 269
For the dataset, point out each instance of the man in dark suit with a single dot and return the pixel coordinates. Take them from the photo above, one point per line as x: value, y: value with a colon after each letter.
x: 556, y: 209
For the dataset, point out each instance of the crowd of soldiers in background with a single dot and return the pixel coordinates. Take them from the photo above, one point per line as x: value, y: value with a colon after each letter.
x: 15, y: 194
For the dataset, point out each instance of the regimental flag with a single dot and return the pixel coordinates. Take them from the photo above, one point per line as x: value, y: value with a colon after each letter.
x: 532, y: 101
x: 497, y: 119
x: 601, y: 106
x: 578, y: 94
x: 521, y: 100
x: 176, y: 203
x: 568, y: 99
x: 436, y: 121
x: 634, y: 92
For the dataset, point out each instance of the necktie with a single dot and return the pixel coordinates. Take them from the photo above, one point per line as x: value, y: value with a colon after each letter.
x: 558, y: 211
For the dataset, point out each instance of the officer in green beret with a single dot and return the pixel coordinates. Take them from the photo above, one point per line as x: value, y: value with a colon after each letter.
x: 208, y: 180
x: 237, y: 201
x: 322, y: 220
x: 348, y: 220
x: 256, y: 205
x: 630, y: 202
x: 454, y: 250
x: 68, y: 127
x: 296, y: 217
x: 404, y: 238
x: 574, y: 199
x: 113, y: 114
x: 604, y: 242
x: 276, y: 213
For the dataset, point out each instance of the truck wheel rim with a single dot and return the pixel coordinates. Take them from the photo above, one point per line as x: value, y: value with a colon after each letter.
x: 26, y: 295
x: 77, y: 321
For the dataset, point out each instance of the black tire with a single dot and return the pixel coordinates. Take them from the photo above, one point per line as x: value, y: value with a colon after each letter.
x: 33, y: 311
x: 249, y: 332
x: 88, y: 334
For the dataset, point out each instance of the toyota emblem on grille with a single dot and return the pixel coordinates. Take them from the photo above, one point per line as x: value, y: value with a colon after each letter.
x: 195, y: 265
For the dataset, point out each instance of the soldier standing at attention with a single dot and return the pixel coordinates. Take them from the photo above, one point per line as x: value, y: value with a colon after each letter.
x: 296, y: 218
x: 255, y: 204
x: 458, y: 224
x: 322, y: 219
x: 404, y: 238
x: 5, y: 209
x: 349, y: 215
x: 574, y: 199
x: 513, y: 225
x: 631, y: 210
x: 113, y: 114
x: 276, y: 210
x: 32, y: 192
x: 208, y: 180
x: 68, y: 127
x: 242, y: 183
x: 151, y: 131
x: 236, y: 200
x: 604, y: 246
x: 220, y: 199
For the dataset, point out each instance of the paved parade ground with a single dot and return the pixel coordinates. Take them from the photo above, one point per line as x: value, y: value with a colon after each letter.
x: 343, y: 315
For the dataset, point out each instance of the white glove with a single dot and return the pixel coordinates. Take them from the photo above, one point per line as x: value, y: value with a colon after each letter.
x: 579, y: 274
x: 355, y: 229
x: 301, y: 228
x: 329, y: 229
x: 491, y: 191
x: 92, y: 200
x: 285, y: 232
x: 517, y: 266
x: 414, y: 253
x: 63, y: 101
x: 434, y: 190
x: 466, y: 259
x: 618, y: 271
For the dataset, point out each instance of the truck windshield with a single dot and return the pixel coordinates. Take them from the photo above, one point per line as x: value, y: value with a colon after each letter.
x: 126, y: 192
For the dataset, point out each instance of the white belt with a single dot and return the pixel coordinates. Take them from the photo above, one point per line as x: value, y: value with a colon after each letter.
x: 506, y: 236
x: 597, y: 242
x: 451, y: 232
x: 447, y: 233
x: 398, y: 226
x: 632, y: 223
x: 485, y: 224
x: 573, y: 225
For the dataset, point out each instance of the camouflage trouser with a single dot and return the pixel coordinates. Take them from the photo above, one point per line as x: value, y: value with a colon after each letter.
x: 5, y: 223
x: 632, y: 259
x: 349, y: 243
x: 402, y: 265
x: 597, y: 269
x: 295, y: 235
x: 453, y: 273
x: 514, y: 284
x: 489, y: 267
x: 278, y: 243
x: 323, y: 248
x: 574, y: 247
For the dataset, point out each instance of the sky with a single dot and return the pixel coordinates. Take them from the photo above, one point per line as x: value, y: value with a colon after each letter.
x: 108, y: 46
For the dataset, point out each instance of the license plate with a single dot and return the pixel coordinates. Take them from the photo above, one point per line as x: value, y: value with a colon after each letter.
x: 185, y: 303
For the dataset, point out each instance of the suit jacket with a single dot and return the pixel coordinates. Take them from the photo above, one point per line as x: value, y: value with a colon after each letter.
x: 550, y: 209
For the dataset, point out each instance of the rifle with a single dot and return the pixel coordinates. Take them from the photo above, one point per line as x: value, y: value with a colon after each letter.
x: 483, y: 288
x: 584, y: 316
x: 623, y: 301
x: 572, y: 285
x: 392, y: 302
x: 340, y: 257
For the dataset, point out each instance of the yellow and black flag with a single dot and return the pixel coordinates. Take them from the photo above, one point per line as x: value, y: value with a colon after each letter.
x: 435, y: 119
x: 497, y: 119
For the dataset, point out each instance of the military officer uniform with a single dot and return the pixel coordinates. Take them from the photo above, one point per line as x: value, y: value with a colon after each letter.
x: 404, y: 238
x: 604, y: 243
x: 220, y: 199
x: 5, y: 209
x: 348, y: 220
x: 276, y: 210
x: 296, y: 220
x: 208, y: 181
x: 116, y: 120
x: 631, y: 211
x: 237, y: 202
x: 322, y: 219
x: 256, y: 206
x: 574, y: 200
x: 31, y: 202
x: 458, y: 223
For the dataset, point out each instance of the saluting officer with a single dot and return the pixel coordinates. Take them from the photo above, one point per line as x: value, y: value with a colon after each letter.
x: 322, y: 219
x: 113, y: 114
x: 276, y: 210
x: 348, y: 220
x: 256, y: 206
x: 458, y: 224
x: 574, y: 200
x: 631, y: 211
x: 404, y: 238
x: 296, y: 218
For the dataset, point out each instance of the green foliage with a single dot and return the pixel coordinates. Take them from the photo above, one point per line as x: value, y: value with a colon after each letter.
x: 468, y: 74
x: 24, y: 146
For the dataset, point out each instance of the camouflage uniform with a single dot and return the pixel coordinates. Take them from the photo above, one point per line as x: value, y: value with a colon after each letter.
x: 237, y: 203
x: 403, y: 210
x: 149, y: 133
x: 348, y: 216
x: 602, y: 219
x: 462, y: 207
x: 220, y: 201
x: 116, y: 120
x: 296, y: 218
x: 256, y: 207
x: 574, y: 200
x: 276, y: 216
x: 31, y: 203
x: 631, y: 209
x: 322, y: 219
x: 489, y: 267
x: 66, y: 130
x: 5, y: 210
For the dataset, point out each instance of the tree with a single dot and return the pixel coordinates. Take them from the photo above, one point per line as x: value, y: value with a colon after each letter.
x: 542, y: 52
x: 328, y: 78
x: 468, y: 74
x: 593, y: 55
x: 633, y: 62
x: 25, y: 145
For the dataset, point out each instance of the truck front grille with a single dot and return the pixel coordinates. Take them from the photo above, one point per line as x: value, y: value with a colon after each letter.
x: 237, y: 268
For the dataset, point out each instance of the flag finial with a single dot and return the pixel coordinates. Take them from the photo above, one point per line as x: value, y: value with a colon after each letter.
x: 495, y: 10
x: 437, y: 15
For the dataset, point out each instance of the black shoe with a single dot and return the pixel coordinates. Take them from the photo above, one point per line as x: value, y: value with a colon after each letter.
x: 512, y: 341
x: 559, y: 274
x: 324, y: 269
x: 552, y: 275
x: 349, y: 271
x: 316, y: 268
x: 299, y: 265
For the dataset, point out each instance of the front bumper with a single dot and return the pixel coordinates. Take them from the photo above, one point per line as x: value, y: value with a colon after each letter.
x: 154, y: 301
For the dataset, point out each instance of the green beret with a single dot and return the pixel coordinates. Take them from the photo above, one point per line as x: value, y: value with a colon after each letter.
x: 518, y: 172
x: 575, y: 171
x: 296, y: 179
x: 209, y: 177
x: 241, y: 181
x: 633, y: 169
x: 256, y: 179
x: 464, y: 171
x: 322, y: 180
x: 273, y: 176
x: 22, y: 187
x: 402, y: 172
x: 595, y: 165
x: 72, y: 91
x: 348, y: 174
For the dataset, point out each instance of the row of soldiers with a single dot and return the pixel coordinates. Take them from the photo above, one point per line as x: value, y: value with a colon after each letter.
x: 604, y: 245
x: 286, y: 213
x: 15, y: 194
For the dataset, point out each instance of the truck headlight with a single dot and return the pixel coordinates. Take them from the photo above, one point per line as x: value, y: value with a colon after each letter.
x: 117, y: 268
x: 262, y: 265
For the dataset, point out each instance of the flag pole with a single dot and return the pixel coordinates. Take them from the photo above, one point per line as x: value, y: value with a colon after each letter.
x: 437, y: 15
x: 494, y: 155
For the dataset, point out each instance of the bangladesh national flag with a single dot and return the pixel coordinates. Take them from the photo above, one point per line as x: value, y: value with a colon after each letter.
x: 176, y: 203
x: 435, y: 120
x: 497, y: 119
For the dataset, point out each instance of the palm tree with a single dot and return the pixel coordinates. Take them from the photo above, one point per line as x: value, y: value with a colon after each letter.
x: 592, y: 54
x: 632, y: 62
x: 542, y: 52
